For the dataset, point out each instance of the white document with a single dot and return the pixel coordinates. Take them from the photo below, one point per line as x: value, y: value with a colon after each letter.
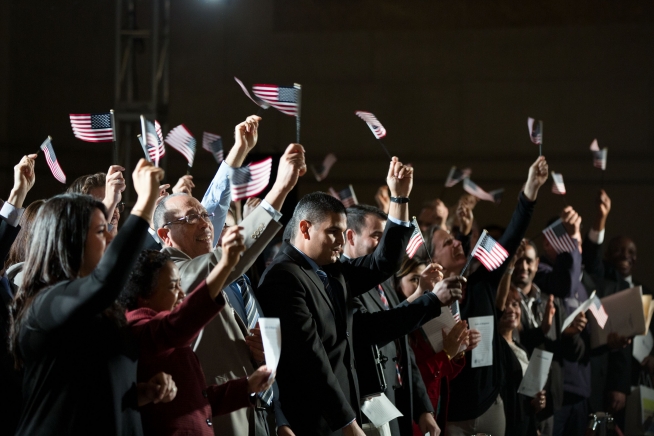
x: 626, y: 316
x: 271, y: 336
x: 380, y: 410
x: 536, y: 374
x: 434, y: 328
x: 483, y: 354
x: 643, y: 346
x: 582, y: 308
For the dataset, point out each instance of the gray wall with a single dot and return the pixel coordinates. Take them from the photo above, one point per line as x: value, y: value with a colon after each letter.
x: 453, y: 85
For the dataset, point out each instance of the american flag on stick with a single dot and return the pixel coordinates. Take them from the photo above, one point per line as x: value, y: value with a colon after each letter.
x: 456, y: 175
x: 213, y: 144
x: 181, y: 139
x: 154, y: 144
x: 456, y: 312
x: 472, y: 188
x: 598, y: 311
x: 599, y: 156
x: 157, y: 127
x: 377, y: 129
x: 416, y: 240
x: 251, y: 180
x: 322, y: 172
x: 558, y: 187
x: 535, y: 131
x: 559, y: 239
x: 93, y: 127
x: 255, y: 99
x: 285, y: 99
x: 489, y: 252
x: 347, y: 196
x: 51, y: 159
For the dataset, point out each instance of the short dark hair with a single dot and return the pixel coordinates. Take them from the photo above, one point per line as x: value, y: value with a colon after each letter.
x: 314, y: 208
x: 356, y: 216
x: 161, y: 215
x: 141, y: 281
x: 84, y: 184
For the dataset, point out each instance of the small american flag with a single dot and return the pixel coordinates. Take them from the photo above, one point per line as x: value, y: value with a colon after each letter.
x: 535, y: 130
x: 472, y: 188
x: 51, y: 159
x: 599, y: 156
x: 256, y: 100
x: 374, y: 124
x: 558, y: 187
x: 456, y: 313
x: 416, y: 239
x: 558, y: 237
x: 153, y: 143
x: 181, y: 139
x: 93, y: 127
x: 456, y: 175
x: 213, y: 144
x: 348, y: 197
x: 157, y: 127
x: 598, y: 311
x: 286, y: 99
x: 251, y: 180
x: 489, y: 252
x: 322, y: 172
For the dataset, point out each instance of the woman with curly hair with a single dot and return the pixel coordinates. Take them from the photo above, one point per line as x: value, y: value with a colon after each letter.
x: 165, y: 324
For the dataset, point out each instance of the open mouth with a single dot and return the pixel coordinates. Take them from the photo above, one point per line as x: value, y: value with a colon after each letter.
x: 206, y: 238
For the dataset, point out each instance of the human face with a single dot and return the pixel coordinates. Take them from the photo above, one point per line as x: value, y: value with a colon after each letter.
x: 98, y: 194
x: 409, y: 283
x: 167, y: 292
x: 448, y: 251
x: 366, y: 242
x: 525, y: 269
x: 97, y: 239
x: 322, y: 241
x: 622, y: 255
x: 510, y: 319
x: 193, y: 239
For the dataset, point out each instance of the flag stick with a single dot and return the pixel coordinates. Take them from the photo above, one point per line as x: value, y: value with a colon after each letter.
x: 144, y: 143
x: 115, y: 145
x: 188, y: 170
x: 472, y: 253
x: 299, y: 107
x: 415, y: 220
x: 463, y: 271
x: 602, y: 180
x: 260, y: 111
x: 540, y: 149
x: 385, y: 149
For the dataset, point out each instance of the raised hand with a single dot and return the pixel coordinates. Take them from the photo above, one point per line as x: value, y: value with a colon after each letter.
x: 146, y: 178
x: 260, y: 380
x: 603, y: 209
x: 246, y: 133
x: 455, y: 338
x: 291, y: 167
x: 474, y: 338
x: 429, y: 277
x: 539, y: 402
x: 548, y: 316
x: 399, y: 178
x: 233, y: 246
x: 251, y: 204
x: 572, y: 223
x: 578, y: 325
x: 255, y: 343
x: 538, y: 173
x: 464, y: 218
x: 449, y: 290
x: 24, y: 179
x: 184, y: 184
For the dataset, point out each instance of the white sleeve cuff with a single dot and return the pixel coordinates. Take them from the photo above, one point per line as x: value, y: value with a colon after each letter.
x: 11, y: 213
x: 595, y: 236
x: 399, y: 222
x: 274, y: 213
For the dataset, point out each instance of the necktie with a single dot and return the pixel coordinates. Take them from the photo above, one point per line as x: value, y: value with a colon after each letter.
x: 252, y: 315
x: 330, y: 291
x: 398, y: 349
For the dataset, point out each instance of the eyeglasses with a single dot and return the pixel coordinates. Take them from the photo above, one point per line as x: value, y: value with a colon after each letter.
x: 120, y: 207
x: 191, y: 219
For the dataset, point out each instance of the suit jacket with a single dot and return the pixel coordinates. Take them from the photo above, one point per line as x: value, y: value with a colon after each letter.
x: 316, y: 373
x: 221, y: 346
x: 411, y: 397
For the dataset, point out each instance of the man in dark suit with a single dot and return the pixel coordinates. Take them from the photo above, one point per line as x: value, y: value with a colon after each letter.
x: 404, y: 385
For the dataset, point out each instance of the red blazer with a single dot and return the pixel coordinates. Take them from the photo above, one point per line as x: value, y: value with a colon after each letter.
x: 165, y: 339
x: 434, y: 367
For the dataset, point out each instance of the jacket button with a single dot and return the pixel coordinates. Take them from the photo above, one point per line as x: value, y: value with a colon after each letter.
x: 209, y: 422
x: 205, y: 394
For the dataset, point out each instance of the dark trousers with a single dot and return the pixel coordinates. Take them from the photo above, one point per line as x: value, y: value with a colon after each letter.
x: 572, y: 418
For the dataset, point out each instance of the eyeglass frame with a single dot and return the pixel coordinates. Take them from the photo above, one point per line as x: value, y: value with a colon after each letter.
x: 185, y: 219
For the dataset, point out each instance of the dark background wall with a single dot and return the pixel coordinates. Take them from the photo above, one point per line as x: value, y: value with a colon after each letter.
x: 453, y: 83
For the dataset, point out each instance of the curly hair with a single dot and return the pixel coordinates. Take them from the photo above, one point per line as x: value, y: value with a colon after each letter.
x: 144, y: 275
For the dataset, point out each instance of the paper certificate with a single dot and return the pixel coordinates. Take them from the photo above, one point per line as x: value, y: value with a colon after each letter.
x: 582, y: 308
x: 536, y: 374
x: 271, y: 336
x: 643, y: 346
x: 380, y: 410
x: 434, y: 328
x: 483, y: 354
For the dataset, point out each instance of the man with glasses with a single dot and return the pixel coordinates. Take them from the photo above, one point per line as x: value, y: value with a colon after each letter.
x: 189, y: 230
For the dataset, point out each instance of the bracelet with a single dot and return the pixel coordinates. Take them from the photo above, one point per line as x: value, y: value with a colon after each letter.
x: 400, y: 200
x: 447, y: 354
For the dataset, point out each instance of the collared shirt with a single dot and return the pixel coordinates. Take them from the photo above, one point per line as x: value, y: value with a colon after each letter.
x: 11, y: 213
x: 314, y: 266
x: 218, y: 197
x: 530, y: 305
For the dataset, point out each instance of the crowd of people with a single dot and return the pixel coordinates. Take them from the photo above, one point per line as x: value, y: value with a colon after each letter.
x: 149, y: 325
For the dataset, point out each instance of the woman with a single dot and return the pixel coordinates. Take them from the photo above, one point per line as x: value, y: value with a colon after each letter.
x: 520, y: 411
x: 434, y: 367
x: 165, y: 324
x: 68, y: 333
x: 15, y: 261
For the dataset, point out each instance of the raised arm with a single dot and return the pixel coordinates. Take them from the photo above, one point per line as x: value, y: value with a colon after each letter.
x: 592, y: 246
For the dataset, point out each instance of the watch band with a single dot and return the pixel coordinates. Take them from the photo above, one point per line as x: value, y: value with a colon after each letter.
x: 400, y: 200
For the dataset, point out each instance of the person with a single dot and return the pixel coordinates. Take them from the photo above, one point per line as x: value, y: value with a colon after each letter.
x: 433, y: 212
x: 475, y: 401
x: 520, y: 411
x: 188, y: 232
x: 67, y: 332
x: 11, y: 215
x: 381, y: 321
x: 165, y: 324
x: 305, y: 287
x: 16, y: 258
x: 436, y: 369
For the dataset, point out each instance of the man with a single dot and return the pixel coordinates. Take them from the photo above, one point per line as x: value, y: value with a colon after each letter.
x: 305, y: 287
x: 227, y: 348
x: 405, y: 388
